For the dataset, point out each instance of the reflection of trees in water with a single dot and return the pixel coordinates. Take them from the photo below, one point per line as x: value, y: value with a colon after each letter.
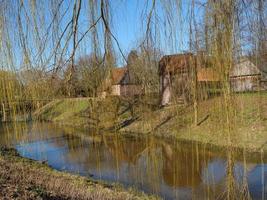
x: 146, y: 161
x: 182, y: 167
x: 235, y: 189
x: 126, y: 150
x: 186, y: 167
x: 12, y: 133
x: 178, y: 165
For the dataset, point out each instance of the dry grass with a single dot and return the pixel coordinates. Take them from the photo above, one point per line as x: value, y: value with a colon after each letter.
x: 21, y: 178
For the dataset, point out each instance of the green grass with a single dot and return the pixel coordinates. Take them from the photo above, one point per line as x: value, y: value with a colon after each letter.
x: 248, y: 122
x: 248, y: 119
x: 64, y: 111
x: 85, y: 112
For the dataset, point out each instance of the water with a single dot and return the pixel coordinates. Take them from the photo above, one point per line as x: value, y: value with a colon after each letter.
x: 171, y: 170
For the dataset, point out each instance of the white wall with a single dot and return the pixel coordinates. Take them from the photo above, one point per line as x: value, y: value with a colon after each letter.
x: 115, y: 90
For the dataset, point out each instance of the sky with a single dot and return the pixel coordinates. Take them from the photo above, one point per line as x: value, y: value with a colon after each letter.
x: 170, y: 28
x: 128, y: 24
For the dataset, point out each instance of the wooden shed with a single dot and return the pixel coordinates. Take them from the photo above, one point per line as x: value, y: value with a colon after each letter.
x: 174, y: 75
x: 118, y: 76
x: 262, y: 66
x: 121, y: 84
x: 245, y: 76
x: 207, y: 75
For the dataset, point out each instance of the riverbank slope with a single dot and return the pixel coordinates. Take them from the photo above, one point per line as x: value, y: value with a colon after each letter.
x: 248, y: 119
x: 94, y: 113
x: 21, y: 178
x: 247, y: 126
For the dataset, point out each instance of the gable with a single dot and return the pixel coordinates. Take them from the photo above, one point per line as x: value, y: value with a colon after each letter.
x: 118, y: 75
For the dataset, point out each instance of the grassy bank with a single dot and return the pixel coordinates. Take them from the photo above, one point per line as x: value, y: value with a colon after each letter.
x: 85, y: 112
x: 248, y: 120
x: 21, y: 178
x: 111, y: 113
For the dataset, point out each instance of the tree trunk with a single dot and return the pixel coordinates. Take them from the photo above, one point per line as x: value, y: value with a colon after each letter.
x: 165, y: 90
x: 195, y: 93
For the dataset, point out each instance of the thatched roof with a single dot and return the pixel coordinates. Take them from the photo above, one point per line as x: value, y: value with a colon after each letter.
x: 118, y: 74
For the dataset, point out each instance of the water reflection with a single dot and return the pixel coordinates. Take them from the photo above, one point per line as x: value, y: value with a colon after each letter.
x: 172, y: 170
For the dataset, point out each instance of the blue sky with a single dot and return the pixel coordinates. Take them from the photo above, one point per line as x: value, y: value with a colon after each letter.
x: 128, y: 25
x: 170, y: 24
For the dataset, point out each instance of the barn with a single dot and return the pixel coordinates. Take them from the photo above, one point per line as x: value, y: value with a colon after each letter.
x: 245, y: 76
x: 176, y: 76
x: 121, y: 84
